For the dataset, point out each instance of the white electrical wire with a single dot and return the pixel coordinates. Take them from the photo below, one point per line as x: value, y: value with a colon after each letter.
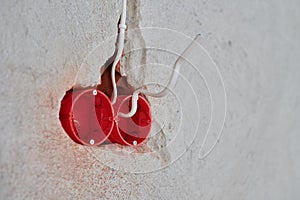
x: 122, y: 27
x: 165, y: 91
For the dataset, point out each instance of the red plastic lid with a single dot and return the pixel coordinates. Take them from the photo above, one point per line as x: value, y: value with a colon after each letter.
x: 87, y: 116
x: 135, y: 130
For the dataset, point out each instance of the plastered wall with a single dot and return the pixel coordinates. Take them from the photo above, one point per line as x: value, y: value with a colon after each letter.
x: 253, y: 43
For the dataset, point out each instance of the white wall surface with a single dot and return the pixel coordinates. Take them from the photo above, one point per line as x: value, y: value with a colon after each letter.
x: 256, y: 47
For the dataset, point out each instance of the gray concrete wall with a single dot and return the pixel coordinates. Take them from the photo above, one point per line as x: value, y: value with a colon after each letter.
x: 255, y: 46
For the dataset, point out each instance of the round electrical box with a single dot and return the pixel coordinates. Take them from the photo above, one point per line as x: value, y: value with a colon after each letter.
x: 135, y: 130
x: 87, y: 116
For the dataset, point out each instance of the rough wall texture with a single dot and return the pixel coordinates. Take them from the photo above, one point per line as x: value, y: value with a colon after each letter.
x: 255, y: 44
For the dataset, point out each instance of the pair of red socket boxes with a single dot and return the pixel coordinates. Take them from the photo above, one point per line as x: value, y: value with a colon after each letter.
x: 89, y: 118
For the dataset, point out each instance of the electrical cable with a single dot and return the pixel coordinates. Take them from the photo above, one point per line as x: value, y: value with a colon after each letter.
x: 122, y: 27
x: 165, y: 91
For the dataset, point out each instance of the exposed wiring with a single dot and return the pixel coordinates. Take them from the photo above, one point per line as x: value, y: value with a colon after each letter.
x: 165, y: 91
x: 122, y: 27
